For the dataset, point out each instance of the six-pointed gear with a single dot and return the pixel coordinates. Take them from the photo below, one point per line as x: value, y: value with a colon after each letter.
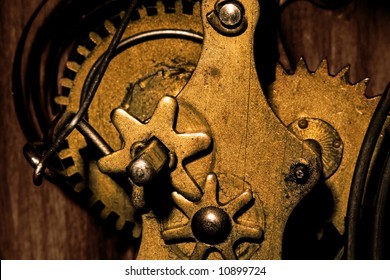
x: 159, y: 52
x: 162, y: 126
x: 212, y: 225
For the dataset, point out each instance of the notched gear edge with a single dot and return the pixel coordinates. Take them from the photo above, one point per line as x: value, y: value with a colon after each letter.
x: 330, y: 98
x: 66, y: 154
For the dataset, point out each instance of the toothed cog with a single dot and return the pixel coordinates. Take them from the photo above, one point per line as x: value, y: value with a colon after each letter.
x: 153, y: 57
x: 162, y: 126
x: 211, y: 224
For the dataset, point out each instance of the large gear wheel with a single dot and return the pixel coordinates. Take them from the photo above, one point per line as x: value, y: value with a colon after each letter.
x: 158, y: 53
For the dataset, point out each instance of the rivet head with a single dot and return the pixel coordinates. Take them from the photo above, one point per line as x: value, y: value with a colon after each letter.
x: 337, y: 143
x: 303, y: 123
x: 230, y: 14
x: 211, y: 225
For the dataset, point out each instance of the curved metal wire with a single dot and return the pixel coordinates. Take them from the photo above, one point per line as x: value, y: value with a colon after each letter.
x: 39, y: 170
x: 138, y: 38
x: 380, y: 209
x: 361, y: 171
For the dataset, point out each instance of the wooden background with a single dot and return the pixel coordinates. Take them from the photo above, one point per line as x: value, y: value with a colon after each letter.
x: 46, y: 223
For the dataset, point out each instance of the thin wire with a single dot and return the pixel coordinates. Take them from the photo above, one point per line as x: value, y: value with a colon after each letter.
x: 361, y: 170
x: 39, y: 170
x: 138, y: 38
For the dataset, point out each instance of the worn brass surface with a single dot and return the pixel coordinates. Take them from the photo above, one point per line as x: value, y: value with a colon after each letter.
x: 250, y: 145
x: 330, y: 146
x: 135, y: 80
x: 162, y: 126
x: 192, y: 210
x: 335, y: 101
x: 250, y: 156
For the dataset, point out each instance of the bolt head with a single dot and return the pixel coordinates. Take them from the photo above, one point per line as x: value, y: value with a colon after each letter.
x: 211, y: 225
x: 230, y: 14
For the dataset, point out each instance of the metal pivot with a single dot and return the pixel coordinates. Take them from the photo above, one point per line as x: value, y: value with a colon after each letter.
x: 253, y: 154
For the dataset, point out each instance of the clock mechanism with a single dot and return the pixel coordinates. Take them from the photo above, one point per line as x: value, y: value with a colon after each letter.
x: 169, y: 118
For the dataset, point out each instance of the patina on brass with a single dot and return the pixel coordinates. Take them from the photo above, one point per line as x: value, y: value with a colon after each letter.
x: 332, y: 100
x: 135, y: 81
x: 251, y: 148
x: 220, y: 230
x: 330, y: 146
x: 238, y: 159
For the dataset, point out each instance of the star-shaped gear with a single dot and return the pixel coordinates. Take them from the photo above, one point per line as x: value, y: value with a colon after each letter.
x: 212, y: 225
x: 162, y: 126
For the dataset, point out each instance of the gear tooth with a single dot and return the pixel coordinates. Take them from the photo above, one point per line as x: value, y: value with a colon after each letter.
x: 196, y: 9
x: 65, y: 153
x: 301, y: 65
x: 73, y: 66
x: 71, y: 170
x: 160, y: 7
x: 110, y: 27
x: 179, y: 7
x: 137, y: 230
x: 67, y: 83
x: 95, y: 38
x: 120, y: 223
x: 61, y: 100
x: 142, y: 12
x: 83, y: 51
x: 105, y: 213
x: 323, y: 66
x: 79, y: 187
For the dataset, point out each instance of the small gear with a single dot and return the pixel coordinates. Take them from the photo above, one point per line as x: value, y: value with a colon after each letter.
x: 162, y: 126
x: 213, y: 226
x: 145, y: 65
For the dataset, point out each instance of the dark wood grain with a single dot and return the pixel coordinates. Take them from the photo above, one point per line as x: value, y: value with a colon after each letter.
x: 47, y: 223
x: 357, y: 35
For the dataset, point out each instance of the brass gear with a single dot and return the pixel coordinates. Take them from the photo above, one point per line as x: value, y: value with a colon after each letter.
x: 202, y: 238
x: 340, y: 121
x: 135, y: 80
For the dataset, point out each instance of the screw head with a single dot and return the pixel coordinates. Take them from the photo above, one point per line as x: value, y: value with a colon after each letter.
x: 301, y: 173
x: 211, y: 225
x: 141, y: 172
x: 230, y: 14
